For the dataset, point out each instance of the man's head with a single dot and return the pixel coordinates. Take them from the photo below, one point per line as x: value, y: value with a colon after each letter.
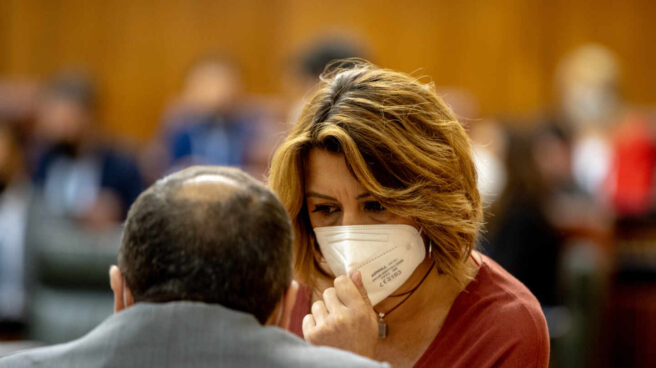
x: 207, y: 234
x: 66, y: 110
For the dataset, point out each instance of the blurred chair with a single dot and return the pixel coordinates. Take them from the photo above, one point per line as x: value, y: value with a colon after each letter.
x: 630, y: 324
x: 69, y: 293
x: 584, y: 284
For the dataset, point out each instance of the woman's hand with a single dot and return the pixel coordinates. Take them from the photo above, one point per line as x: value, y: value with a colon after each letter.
x: 344, y: 319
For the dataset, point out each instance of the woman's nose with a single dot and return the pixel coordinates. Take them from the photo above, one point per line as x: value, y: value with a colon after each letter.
x: 354, y: 217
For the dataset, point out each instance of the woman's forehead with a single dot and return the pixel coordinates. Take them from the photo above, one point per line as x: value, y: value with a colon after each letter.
x: 327, y: 172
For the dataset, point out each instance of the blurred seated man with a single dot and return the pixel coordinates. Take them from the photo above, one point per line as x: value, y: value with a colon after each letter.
x: 81, y: 177
x: 83, y: 189
x: 208, y: 125
x: 204, y: 265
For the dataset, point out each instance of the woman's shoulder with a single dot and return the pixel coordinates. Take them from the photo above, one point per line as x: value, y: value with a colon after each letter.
x: 497, y: 287
x: 495, y: 321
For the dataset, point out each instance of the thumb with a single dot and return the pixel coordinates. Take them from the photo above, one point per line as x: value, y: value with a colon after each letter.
x: 356, y: 277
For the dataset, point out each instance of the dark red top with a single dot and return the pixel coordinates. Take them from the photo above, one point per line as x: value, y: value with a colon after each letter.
x: 494, y: 322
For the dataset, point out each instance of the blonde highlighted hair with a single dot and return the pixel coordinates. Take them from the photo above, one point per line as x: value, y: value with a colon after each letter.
x: 402, y: 143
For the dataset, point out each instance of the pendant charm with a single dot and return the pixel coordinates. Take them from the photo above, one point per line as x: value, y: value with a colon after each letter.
x: 382, y: 326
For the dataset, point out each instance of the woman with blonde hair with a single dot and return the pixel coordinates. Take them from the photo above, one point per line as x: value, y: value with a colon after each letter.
x: 378, y: 178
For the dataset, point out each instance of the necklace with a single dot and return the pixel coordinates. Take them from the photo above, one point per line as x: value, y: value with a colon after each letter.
x: 382, y: 325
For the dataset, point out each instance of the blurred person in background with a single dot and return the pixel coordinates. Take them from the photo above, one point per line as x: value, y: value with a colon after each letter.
x: 83, y: 188
x: 208, y: 122
x: 311, y: 62
x: 80, y: 176
x: 587, y: 83
x: 520, y: 234
x: 611, y: 248
x: 212, y: 121
x: 15, y: 193
x: 632, y: 179
x: 549, y: 233
x: 614, y: 153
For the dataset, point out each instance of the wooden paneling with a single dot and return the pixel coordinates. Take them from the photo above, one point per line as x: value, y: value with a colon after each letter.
x: 504, y: 51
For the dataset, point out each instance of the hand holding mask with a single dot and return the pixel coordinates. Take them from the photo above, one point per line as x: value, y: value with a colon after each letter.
x: 379, y: 258
x: 344, y: 319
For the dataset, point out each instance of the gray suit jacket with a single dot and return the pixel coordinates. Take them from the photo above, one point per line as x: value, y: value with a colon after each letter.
x: 184, y: 334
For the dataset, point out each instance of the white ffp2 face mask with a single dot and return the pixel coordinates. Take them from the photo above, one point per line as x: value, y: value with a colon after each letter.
x: 385, y: 255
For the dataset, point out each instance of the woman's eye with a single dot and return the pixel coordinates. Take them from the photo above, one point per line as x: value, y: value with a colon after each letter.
x: 373, y: 206
x: 325, y: 209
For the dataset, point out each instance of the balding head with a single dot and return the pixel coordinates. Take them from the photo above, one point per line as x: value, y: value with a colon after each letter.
x: 208, y: 234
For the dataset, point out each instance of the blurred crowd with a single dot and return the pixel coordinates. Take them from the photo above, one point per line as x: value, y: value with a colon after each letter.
x: 570, y: 192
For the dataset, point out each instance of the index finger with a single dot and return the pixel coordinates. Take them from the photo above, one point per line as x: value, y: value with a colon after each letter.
x: 356, y: 277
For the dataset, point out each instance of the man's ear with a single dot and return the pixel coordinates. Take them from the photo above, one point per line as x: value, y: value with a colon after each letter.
x: 285, y: 308
x: 122, y: 294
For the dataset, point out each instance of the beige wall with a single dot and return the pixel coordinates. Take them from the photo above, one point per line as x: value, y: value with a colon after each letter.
x: 504, y: 51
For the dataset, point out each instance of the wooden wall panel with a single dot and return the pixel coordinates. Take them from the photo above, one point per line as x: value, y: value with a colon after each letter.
x: 504, y: 51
